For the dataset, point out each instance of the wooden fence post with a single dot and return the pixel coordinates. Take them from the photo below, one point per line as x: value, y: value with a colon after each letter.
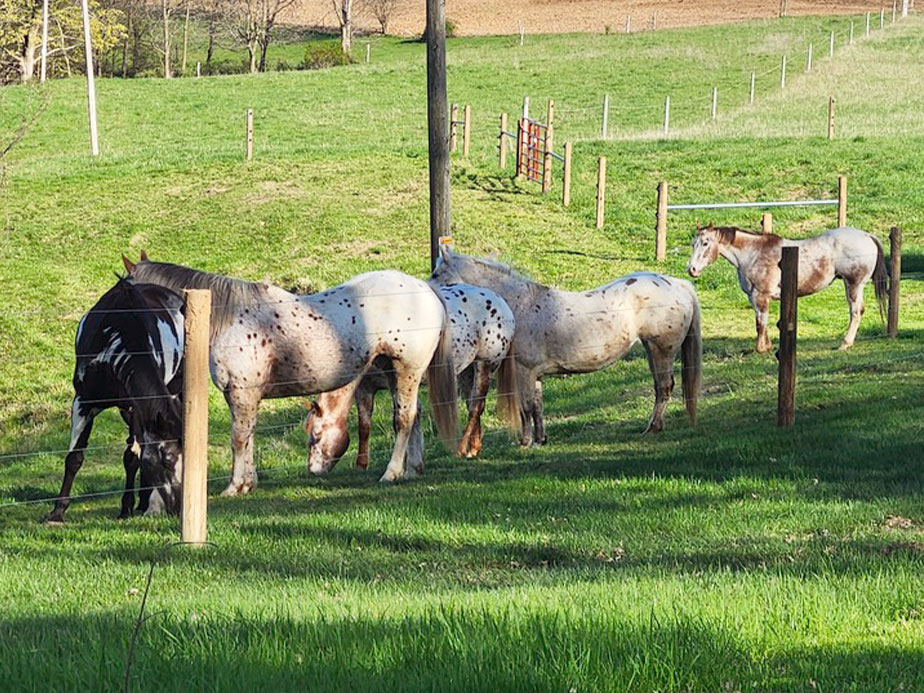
x: 867, y: 23
x: 667, y: 115
x: 566, y: 176
x: 766, y: 222
x: 466, y: 129
x: 368, y: 51
x: 841, y: 201
x: 198, y: 69
x: 194, y: 513
x: 502, y: 142
x: 715, y: 102
x: 601, y: 190
x: 789, y: 293
x: 453, y: 119
x: 893, y: 11
x: 808, y: 59
x: 881, y: 17
x: 661, y: 223
x: 751, y: 100
x: 249, y: 135
x: 831, y: 46
x: 549, y: 148
x: 606, y: 116
x: 831, y: 103
x: 850, y: 34
x: 91, y: 82
x: 783, y: 73
x: 895, y: 276
x: 526, y: 107
x: 628, y: 24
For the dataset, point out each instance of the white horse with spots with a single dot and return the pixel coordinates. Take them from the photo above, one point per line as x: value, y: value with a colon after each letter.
x: 482, y: 328
x: 267, y: 343
x: 569, y: 332
x: 846, y: 253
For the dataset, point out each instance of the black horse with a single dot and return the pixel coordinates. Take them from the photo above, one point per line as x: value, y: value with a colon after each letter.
x: 129, y: 354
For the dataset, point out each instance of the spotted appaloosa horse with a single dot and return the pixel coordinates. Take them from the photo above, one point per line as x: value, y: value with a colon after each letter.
x: 482, y: 336
x: 129, y: 354
x: 266, y: 343
x: 579, y: 332
x: 846, y: 253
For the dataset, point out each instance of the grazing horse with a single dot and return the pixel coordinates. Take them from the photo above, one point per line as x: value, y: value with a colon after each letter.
x: 129, y: 354
x: 266, y: 343
x: 845, y: 253
x: 580, y: 332
x: 482, y: 335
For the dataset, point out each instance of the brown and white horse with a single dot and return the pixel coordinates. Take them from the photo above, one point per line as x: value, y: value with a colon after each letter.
x: 580, y: 332
x: 266, y: 343
x: 482, y: 329
x: 846, y: 253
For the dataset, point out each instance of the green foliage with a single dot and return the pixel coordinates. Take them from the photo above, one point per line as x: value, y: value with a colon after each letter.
x: 323, y: 54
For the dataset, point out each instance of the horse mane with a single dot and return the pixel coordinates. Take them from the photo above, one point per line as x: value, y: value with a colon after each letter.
x: 228, y: 295
x: 727, y: 233
x: 497, y: 267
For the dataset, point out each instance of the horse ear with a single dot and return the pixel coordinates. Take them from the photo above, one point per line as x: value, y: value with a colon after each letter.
x: 144, y: 256
x: 711, y: 226
x: 129, y: 265
x: 700, y: 228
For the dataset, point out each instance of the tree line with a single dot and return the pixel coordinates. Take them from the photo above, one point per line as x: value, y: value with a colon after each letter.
x: 152, y: 37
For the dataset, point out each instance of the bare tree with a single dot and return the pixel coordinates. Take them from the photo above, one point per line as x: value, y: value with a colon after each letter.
x: 344, y: 11
x: 252, y: 23
x: 382, y: 11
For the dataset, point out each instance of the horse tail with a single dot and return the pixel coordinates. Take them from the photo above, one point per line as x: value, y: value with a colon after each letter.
x: 881, y: 279
x: 442, y: 376
x: 691, y: 352
x: 508, y: 394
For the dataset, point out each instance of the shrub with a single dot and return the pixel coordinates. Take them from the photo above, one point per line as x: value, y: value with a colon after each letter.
x: 225, y: 67
x: 323, y: 54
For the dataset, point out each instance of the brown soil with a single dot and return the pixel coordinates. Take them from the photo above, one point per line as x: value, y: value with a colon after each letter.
x: 480, y: 17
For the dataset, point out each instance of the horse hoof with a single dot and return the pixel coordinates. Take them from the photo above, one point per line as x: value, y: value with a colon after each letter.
x: 389, y: 477
x: 844, y: 346
x: 52, y: 521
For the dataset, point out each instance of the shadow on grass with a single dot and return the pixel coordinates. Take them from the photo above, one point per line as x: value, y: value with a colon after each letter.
x: 444, y: 648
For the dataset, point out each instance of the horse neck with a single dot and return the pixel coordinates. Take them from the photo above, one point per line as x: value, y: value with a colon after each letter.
x: 741, y: 249
x: 154, y: 400
x: 512, y: 287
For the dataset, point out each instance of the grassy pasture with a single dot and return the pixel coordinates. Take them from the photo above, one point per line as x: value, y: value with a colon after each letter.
x: 729, y: 557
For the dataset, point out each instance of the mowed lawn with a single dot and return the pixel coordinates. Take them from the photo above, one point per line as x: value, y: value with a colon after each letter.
x: 733, y: 556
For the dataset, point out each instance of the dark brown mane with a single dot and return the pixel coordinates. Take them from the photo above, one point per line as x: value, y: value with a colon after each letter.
x: 228, y: 295
x: 727, y: 233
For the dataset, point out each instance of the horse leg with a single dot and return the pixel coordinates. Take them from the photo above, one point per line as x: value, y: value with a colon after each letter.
x: 405, y: 403
x: 131, y: 460
x: 538, y: 419
x: 81, y: 425
x: 365, y: 403
x: 243, y: 403
x: 414, y: 466
x: 855, y: 303
x: 527, y: 385
x: 762, y: 312
x: 661, y: 363
x: 476, y: 403
x: 466, y: 386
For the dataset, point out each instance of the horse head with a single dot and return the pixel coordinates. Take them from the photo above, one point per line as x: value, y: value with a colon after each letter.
x: 705, y: 249
x: 328, y: 437
x: 161, y: 473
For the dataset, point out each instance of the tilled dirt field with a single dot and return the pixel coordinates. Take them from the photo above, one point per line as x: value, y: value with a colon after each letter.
x: 480, y: 17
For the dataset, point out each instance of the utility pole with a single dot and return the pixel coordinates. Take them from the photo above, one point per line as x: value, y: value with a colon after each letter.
x: 438, y: 123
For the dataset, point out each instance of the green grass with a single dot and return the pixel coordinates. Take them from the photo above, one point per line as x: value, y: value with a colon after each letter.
x: 735, y: 556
